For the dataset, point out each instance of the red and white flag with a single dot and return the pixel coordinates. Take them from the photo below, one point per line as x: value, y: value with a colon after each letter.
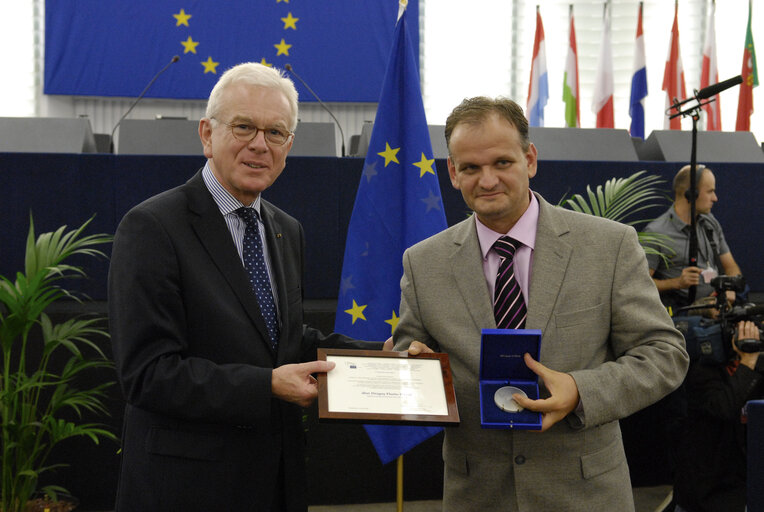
x: 673, y: 75
x: 602, y: 102
x: 709, y: 74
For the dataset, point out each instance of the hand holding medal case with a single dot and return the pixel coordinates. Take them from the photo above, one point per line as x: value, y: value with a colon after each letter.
x: 503, y: 373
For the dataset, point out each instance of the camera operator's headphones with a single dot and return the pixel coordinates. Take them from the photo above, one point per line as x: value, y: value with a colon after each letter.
x: 699, y: 168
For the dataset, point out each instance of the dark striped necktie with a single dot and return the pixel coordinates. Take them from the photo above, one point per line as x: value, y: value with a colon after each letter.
x: 254, y: 263
x: 508, y: 303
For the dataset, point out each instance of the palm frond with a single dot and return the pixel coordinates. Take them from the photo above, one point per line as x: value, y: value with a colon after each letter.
x: 621, y: 200
x: 31, y: 393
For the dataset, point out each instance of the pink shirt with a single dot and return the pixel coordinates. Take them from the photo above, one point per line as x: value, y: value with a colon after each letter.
x: 523, y: 231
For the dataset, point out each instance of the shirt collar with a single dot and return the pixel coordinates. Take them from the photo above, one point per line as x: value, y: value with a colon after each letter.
x: 681, y: 225
x: 524, y: 230
x: 225, y: 201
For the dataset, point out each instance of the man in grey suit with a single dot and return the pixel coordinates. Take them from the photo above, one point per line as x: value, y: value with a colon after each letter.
x: 608, y: 346
x: 214, y: 368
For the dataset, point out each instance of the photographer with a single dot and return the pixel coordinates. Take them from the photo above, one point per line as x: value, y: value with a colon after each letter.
x: 673, y: 275
x: 711, y: 450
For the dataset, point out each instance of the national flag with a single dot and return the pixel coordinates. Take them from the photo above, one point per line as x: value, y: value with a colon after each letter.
x: 114, y: 47
x: 638, y: 84
x: 570, y: 81
x: 398, y: 203
x: 538, y: 88
x: 602, y: 102
x: 750, y: 80
x: 673, y: 75
x: 709, y: 74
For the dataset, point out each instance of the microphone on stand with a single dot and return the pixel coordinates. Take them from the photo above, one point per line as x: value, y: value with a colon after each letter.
x: 289, y: 68
x: 714, y: 89
x: 693, y: 111
x: 707, y: 92
x: 175, y: 59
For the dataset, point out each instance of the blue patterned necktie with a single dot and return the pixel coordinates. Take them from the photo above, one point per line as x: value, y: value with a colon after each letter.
x: 254, y: 263
x: 508, y: 303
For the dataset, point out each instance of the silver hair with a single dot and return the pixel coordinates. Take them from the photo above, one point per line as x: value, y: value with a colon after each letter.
x: 253, y: 73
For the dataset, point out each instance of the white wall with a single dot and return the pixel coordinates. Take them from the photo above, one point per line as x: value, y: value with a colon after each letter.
x: 467, y: 49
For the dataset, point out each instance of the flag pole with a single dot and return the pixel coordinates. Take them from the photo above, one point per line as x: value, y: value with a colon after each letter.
x: 402, y: 4
x: 399, y: 484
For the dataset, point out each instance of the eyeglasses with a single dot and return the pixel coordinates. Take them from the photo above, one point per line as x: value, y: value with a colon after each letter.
x: 244, y: 132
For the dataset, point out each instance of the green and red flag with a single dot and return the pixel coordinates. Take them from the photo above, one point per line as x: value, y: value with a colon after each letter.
x: 750, y: 80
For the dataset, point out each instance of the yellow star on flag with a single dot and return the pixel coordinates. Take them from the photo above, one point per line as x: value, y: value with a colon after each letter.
x: 182, y: 18
x: 290, y: 22
x: 264, y: 63
x: 283, y: 48
x: 390, y: 154
x: 189, y: 45
x: 425, y: 165
x: 393, y: 322
x: 356, y: 311
x: 210, y: 65
x: 279, y: 1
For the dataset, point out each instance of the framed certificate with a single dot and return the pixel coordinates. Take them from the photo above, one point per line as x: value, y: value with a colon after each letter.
x: 373, y: 386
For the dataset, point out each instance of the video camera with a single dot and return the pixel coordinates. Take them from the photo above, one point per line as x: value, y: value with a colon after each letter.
x: 709, y: 339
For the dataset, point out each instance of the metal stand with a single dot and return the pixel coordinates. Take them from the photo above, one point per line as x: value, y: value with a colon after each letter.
x: 694, y: 113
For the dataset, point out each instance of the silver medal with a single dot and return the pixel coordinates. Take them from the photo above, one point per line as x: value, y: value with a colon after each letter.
x: 504, y: 400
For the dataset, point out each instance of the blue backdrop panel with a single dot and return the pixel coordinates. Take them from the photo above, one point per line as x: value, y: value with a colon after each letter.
x: 318, y: 191
x: 114, y: 48
x: 755, y: 410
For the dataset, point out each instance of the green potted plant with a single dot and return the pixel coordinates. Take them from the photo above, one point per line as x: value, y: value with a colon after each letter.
x: 621, y: 199
x: 38, y: 398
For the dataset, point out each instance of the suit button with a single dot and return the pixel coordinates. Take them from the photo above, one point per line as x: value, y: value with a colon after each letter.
x: 519, y: 459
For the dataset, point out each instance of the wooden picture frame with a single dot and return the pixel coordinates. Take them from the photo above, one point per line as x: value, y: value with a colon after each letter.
x: 382, y: 387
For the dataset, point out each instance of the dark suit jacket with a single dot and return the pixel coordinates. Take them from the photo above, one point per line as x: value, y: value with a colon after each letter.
x: 201, y: 430
x: 711, y: 453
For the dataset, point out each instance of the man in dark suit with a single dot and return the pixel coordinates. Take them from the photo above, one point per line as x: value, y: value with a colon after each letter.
x: 212, y: 364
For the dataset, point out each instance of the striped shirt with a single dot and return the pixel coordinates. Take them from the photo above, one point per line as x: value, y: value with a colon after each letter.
x: 236, y: 225
x: 524, y: 231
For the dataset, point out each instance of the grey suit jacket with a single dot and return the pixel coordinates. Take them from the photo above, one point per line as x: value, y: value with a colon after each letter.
x: 601, y: 321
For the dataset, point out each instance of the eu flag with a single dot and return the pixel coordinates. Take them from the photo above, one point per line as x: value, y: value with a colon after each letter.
x: 398, y: 203
x: 114, y: 47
